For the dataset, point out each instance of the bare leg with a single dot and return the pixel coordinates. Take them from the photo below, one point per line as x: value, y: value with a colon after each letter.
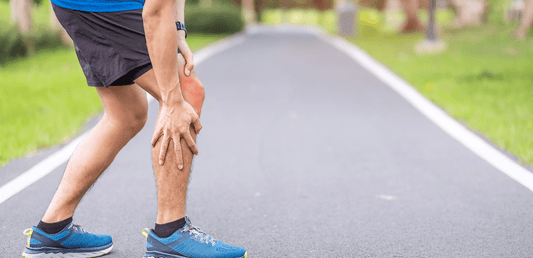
x: 125, y: 115
x: 527, y: 20
x: 171, y: 182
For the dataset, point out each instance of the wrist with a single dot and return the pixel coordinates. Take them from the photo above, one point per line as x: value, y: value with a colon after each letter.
x: 171, y: 97
x: 182, y: 35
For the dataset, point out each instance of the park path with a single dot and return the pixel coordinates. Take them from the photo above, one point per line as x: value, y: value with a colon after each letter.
x: 304, y: 153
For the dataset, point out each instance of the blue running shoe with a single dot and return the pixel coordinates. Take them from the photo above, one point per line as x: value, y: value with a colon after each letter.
x: 189, y: 242
x: 72, y: 241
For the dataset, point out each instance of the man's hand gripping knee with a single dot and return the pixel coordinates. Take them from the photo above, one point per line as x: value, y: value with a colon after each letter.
x: 175, y: 115
x: 173, y: 123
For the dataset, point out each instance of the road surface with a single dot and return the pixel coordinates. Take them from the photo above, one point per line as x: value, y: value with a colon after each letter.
x: 304, y: 153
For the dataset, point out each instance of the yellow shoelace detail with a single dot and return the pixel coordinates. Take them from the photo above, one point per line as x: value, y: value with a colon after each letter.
x: 28, y: 233
x: 145, y: 232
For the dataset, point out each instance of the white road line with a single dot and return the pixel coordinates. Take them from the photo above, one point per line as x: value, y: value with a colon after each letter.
x: 434, y: 113
x: 55, y: 160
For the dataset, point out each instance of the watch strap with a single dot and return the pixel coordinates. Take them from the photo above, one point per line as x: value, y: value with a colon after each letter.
x: 181, y: 26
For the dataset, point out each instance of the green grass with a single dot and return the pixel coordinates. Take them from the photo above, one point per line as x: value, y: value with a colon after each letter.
x: 483, y: 79
x: 326, y: 19
x: 44, y: 100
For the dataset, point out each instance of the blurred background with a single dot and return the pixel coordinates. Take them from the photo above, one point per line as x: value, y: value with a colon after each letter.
x: 471, y: 57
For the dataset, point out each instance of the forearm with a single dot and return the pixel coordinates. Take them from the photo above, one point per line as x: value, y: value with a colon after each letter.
x: 161, y: 40
x: 179, y: 11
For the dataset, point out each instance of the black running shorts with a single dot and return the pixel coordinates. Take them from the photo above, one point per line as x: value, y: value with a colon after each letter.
x: 111, y: 46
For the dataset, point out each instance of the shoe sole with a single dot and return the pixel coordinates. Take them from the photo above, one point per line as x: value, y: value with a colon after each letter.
x: 245, y: 256
x: 68, y: 255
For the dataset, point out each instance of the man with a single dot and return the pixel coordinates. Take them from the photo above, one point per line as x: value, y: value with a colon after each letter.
x: 127, y: 48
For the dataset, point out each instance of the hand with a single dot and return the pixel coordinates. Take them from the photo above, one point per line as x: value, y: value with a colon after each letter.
x: 186, y: 52
x: 173, y: 123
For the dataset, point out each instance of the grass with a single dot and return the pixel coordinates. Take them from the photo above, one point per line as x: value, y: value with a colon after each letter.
x: 326, y: 19
x: 44, y: 100
x: 483, y: 79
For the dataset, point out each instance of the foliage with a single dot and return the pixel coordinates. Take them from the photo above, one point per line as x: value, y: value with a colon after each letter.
x: 377, y: 4
x: 370, y: 22
x: 219, y: 18
x: 13, y: 44
x: 286, y: 4
x: 495, y: 10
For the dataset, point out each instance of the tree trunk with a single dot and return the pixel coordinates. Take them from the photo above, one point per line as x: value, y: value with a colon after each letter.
x: 322, y: 5
x: 248, y: 11
x: 21, y: 16
x: 412, y: 23
x: 469, y: 12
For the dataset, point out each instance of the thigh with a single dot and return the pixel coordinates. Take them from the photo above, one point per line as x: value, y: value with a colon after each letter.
x: 191, y: 87
x: 124, y: 102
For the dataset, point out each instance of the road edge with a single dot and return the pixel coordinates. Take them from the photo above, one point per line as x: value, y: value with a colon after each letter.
x: 448, y: 124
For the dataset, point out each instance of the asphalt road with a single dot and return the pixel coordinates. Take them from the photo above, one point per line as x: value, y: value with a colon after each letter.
x: 303, y: 154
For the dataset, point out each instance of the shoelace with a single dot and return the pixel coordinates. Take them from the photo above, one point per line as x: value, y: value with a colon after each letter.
x: 201, y: 235
x: 78, y: 227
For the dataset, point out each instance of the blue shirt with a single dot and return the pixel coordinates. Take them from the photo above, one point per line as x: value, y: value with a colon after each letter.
x: 100, y: 5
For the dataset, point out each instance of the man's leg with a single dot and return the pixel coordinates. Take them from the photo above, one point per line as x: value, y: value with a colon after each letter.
x: 125, y: 114
x: 171, y: 182
x: 172, y: 185
x: 125, y: 109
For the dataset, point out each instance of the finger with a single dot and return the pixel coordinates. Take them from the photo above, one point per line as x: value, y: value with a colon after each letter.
x: 188, y: 138
x: 157, y: 135
x: 189, y: 62
x: 179, y: 155
x: 197, y: 126
x: 164, y: 148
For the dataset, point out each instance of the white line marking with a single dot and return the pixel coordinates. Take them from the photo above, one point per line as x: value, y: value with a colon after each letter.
x: 40, y: 170
x: 55, y: 160
x: 435, y: 114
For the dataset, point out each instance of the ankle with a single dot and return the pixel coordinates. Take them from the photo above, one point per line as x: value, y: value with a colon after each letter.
x: 167, y: 229
x: 54, y: 228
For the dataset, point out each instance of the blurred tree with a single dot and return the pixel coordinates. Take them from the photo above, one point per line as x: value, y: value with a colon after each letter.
x: 323, y: 4
x: 378, y: 4
x: 205, y: 3
x: 526, y: 21
x: 248, y: 11
x: 21, y: 16
x: 410, y: 8
x: 469, y: 12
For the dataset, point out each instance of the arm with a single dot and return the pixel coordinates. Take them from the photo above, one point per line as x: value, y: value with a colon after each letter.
x: 162, y: 40
x: 179, y: 15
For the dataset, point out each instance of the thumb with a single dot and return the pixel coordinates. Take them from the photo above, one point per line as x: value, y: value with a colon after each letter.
x: 189, y: 62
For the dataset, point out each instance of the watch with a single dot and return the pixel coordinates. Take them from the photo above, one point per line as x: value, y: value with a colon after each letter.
x: 181, y: 26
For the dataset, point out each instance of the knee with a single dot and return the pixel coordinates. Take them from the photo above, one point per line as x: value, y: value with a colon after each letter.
x: 138, y: 120
x: 131, y: 122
